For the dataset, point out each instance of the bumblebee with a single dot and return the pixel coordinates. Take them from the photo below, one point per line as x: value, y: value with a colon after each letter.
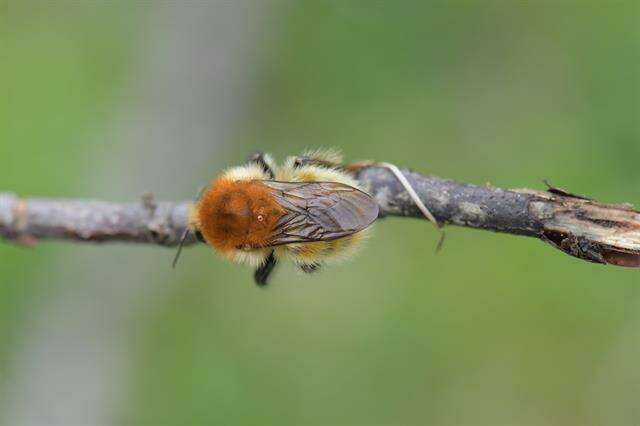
x: 310, y: 211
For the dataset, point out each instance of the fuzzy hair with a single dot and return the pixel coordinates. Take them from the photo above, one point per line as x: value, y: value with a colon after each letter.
x: 318, y: 252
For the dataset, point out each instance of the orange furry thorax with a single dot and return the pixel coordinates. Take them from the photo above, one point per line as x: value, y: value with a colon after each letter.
x: 237, y: 214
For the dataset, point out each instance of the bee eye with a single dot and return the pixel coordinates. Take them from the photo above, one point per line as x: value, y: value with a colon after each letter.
x: 260, y: 218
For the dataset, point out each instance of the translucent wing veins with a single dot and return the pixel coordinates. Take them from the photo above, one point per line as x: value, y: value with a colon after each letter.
x: 320, y: 211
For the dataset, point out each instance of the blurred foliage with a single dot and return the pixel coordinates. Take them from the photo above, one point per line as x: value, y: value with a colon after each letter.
x: 59, y: 70
x: 493, y: 330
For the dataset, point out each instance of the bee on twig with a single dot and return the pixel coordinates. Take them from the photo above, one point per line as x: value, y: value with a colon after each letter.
x: 311, y: 211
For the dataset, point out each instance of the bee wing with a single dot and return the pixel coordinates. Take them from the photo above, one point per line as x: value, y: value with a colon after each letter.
x: 320, y: 211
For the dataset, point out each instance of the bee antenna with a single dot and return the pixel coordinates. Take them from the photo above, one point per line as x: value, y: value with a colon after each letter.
x: 415, y: 198
x: 183, y: 238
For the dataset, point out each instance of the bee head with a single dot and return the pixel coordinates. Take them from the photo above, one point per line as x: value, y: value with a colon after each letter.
x: 237, y: 214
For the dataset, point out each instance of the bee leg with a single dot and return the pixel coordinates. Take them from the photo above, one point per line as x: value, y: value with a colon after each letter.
x: 264, y: 161
x: 199, y: 236
x: 328, y: 158
x: 309, y: 268
x: 304, y: 160
x: 261, y: 276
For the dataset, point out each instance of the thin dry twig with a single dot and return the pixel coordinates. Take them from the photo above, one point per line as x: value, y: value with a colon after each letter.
x: 583, y: 228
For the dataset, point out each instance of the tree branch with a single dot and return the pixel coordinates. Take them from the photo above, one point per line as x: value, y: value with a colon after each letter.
x: 27, y: 220
x: 592, y: 231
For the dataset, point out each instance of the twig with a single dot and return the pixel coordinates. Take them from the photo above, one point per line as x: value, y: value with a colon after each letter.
x: 592, y: 231
x: 27, y: 220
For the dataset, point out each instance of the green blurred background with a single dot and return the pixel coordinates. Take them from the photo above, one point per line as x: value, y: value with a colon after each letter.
x: 112, y: 100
